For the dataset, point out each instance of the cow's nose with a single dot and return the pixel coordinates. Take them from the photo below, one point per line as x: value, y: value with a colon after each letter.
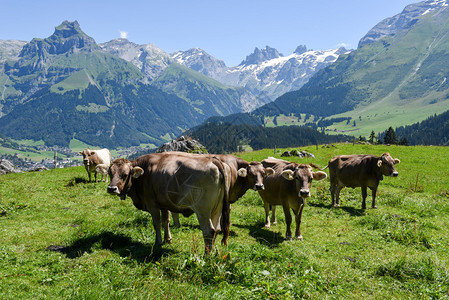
x: 304, y: 193
x: 258, y: 187
x: 395, y: 174
x: 113, y: 190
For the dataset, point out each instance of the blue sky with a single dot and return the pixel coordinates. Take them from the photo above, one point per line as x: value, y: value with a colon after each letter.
x: 228, y: 30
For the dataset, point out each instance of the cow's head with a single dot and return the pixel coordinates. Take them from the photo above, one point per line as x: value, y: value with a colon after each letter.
x: 86, y: 153
x: 121, y: 172
x: 303, y: 175
x: 386, y: 164
x: 254, y: 173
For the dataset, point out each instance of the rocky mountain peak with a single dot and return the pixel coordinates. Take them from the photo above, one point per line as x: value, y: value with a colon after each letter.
x: 260, y: 55
x: 403, y: 21
x: 200, y: 61
x: 300, y: 49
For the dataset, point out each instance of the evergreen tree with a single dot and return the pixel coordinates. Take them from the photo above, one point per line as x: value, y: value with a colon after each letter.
x: 404, y: 142
x: 371, y: 138
x: 390, y: 137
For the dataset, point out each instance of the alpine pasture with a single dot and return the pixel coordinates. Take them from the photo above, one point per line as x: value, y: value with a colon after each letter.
x: 63, y: 237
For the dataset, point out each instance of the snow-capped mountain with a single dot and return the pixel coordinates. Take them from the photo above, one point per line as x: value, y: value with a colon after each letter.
x: 266, y: 72
x: 200, y: 61
x: 150, y: 59
x: 401, y: 22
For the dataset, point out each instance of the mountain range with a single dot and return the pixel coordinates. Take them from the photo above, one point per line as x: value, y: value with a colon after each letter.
x: 397, y: 76
x: 94, y: 92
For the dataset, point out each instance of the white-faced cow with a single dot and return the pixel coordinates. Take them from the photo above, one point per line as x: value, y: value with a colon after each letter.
x: 363, y: 171
x: 92, y: 158
x: 244, y: 176
x: 177, y: 182
x: 289, y: 187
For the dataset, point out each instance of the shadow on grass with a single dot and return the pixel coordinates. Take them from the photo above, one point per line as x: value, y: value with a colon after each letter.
x: 354, y: 212
x: 77, y: 180
x: 118, y: 243
x: 263, y: 235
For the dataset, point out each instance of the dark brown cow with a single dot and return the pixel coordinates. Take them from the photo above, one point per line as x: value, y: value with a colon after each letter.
x: 363, y: 171
x: 244, y: 176
x: 289, y: 187
x: 92, y: 158
x: 177, y: 182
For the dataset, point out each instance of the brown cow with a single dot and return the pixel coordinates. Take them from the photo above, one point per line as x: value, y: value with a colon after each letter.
x: 359, y: 171
x: 177, y: 182
x: 244, y: 176
x: 289, y: 187
x: 92, y: 158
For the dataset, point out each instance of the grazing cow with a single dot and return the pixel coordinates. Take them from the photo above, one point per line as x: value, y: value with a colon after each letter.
x: 102, y: 169
x: 92, y: 158
x: 244, y: 176
x: 289, y: 187
x: 177, y: 182
x: 359, y: 171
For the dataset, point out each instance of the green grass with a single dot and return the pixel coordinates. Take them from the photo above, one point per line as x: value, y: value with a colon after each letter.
x: 62, y: 237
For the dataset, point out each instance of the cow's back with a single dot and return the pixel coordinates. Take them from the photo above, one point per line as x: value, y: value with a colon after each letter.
x: 103, y: 157
x: 353, y: 170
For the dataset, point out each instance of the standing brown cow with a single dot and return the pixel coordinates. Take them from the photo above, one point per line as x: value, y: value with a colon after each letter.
x: 359, y: 171
x: 289, y: 187
x: 92, y: 158
x: 244, y: 176
x: 177, y: 182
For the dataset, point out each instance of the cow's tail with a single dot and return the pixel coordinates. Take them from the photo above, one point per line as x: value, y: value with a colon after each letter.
x: 225, y: 220
x: 325, y: 167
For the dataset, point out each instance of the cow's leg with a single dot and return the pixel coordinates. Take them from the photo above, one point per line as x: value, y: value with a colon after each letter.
x: 209, y: 233
x: 176, y: 222
x: 288, y: 222
x: 337, y: 195
x: 165, y: 224
x: 298, y: 215
x: 266, y: 206
x: 374, y: 190
x: 333, y: 193
x: 95, y: 174
x: 273, y: 214
x: 364, y: 194
x: 156, y: 216
x: 90, y: 176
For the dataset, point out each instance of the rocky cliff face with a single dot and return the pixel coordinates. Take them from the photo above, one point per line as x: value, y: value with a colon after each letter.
x: 149, y: 59
x: 10, y: 49
x: 401, y: 22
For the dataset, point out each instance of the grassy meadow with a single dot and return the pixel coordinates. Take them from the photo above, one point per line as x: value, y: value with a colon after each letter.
x: 65, y: 238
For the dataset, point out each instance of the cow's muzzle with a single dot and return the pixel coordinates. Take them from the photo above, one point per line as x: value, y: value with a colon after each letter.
x: 259, y: 187
x: 304, y: 193
x: 113, y: 190
x: 394, y: 174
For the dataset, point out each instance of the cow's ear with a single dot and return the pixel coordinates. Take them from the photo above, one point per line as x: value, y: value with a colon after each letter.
x: 137, y: 172
x: 242, y: 172
x: 288, y: 174
x: 319, y: 175
x: 92, y: 152
x: 396, y: 161
x: 379, y: 163
x: 269, y: 171
x: 80, y: 152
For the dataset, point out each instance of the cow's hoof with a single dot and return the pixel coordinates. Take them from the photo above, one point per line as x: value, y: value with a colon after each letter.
x: 167, y: 242
x: 274, y: 223
x: 267, y: 225
x: 375, y: 207
x: 288, y: 238
x: 336, y: 205
x: 299, y: 238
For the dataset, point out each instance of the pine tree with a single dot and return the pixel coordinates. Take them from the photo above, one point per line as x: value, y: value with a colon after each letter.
x: 390, y: 137
x: 372, y: 136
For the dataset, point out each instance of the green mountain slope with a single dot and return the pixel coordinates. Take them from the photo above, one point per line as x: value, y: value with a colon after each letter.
x: 66, y: 87
x: 207, y: 95
x: 398, y: 80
